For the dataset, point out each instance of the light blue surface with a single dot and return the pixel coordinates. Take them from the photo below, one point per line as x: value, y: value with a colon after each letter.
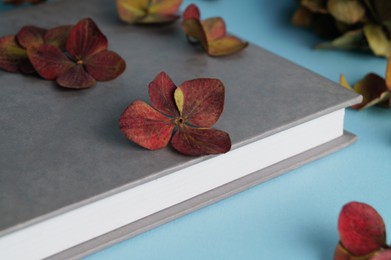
x: 293, y: 216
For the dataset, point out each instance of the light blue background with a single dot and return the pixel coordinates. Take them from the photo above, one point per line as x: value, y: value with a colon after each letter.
x: 293, y: 216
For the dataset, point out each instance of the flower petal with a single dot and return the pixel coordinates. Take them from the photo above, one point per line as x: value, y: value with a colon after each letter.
x: 191, y: 12
x: 203, y: 101
x: 145, y: 126
x: 11, y: 54
x: 384, y: 255
x: 161, y: 93
x: 201, y: 141
x: 30, y: 36
x: 388, y: 74
x: 162, y: 11
x: 377, y: 40
x: 226, y: 46
x: 214, y: 28
x: 105, y: 65
x: 49, y: 61
x: 85, y: 40
x: 58, y: 36
x: 76, y: 77
x: 373, y: 89
x: 349, y: 12
x: 132, y: 11
x: 341, y: 253
x: 361, y: 229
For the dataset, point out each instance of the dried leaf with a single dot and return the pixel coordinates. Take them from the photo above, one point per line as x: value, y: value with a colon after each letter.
x: 11, y: 54
x: 377, y: 40
x: 148, y: 11
x: 145, y: 126
x: 347, y: 11
x: 85, y: 39
x: 302, y: 17
x: 354, y: 39
x: 200, y: 141
x: 316, y: 6
x: 30, y: 36
x: 161, y: 92
x: 361, y: 229
x: 203, y: 101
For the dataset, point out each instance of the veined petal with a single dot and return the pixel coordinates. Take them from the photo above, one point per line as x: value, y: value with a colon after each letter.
x: 11, y: 54
x: 76, y: 77
x: 30, y: 36
x: 85, y: 39
x: 203, y: 101
x: 161, y: 92
x: 361, y: 229
x: 214, y: 28
x: 201, y: 141
x: 105, y: 65
x: 226, y: 46
x: 374, y: 90
x: 58, y: 36
x: 195, y: 31
x: 49, y: 61
x: 145, y: 126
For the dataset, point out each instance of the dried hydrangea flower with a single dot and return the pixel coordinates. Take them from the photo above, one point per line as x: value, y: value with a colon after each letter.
x: 211, y: 33
x: 148, y: 11
x: 192, y: 109
x: 85, y: 61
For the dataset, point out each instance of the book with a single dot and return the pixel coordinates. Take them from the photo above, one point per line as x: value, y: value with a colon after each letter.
x: 71, y: 183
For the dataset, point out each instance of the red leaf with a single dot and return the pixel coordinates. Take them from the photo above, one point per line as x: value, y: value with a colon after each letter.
x: 191, y: 12
x: 361, y: 229
x: 11, y: 54
x: 85, y: 40
x: 30, y: 36
x: 145, y: 126
x: 161, y: 92
x: 49, y: 61
x: 105, y: 65
x: 201, y: 141
x: 58, y: 36
x: 76, y: 77
x: 203, y: 101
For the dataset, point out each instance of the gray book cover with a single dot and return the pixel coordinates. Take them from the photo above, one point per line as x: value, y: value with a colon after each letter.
x: 61, y: 149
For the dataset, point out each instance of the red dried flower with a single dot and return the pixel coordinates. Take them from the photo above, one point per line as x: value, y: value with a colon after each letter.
x: 85, y: 61
x: 192, y: 108
x: 211, y: 33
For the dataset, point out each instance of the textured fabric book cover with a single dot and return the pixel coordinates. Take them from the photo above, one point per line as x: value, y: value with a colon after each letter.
x: 61, y: 149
